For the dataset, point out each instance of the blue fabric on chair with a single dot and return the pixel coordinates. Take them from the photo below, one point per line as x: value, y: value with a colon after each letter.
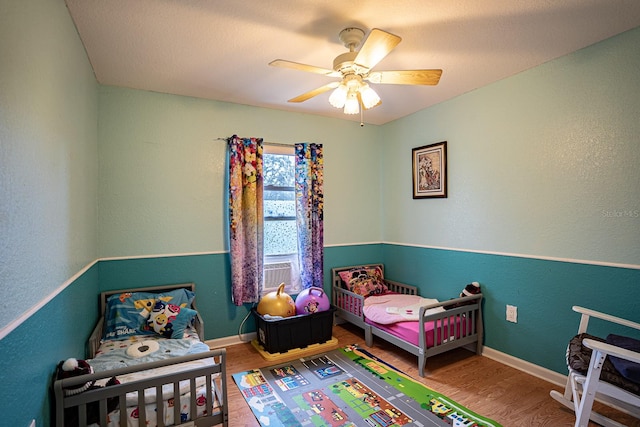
x: 629, y: 370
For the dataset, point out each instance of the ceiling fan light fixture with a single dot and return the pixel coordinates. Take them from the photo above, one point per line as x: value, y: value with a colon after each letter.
x: 355, y: 67
x: 338, y: 96
x: 369, y: 97
x: 351, y: 105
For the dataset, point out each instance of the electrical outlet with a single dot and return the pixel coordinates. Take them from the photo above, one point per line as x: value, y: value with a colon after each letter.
x: 512, y: 313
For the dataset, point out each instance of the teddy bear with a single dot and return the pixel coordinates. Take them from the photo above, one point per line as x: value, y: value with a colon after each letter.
x: 75, y: 367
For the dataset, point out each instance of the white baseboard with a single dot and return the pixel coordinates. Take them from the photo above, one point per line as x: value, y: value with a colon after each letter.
x: 527, y: 367
x: 232, y: 340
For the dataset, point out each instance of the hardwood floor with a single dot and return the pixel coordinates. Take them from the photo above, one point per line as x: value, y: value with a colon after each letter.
x: 507, y: 395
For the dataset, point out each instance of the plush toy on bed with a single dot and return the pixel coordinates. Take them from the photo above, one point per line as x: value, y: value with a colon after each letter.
x: 162, y: 317
x: 73, y: 368
x: 472, y: 288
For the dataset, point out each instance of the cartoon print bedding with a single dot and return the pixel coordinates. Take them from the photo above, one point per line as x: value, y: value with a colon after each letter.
x: 151, y: 342
x: 139, y: 349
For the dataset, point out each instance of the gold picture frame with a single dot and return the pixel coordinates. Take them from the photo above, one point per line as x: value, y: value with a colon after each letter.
x: 430, y: 171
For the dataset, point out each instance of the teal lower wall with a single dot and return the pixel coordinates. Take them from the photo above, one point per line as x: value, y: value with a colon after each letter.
x: 210, y: 273
x: 30, y: 353
x: 543, y: 290
x: 345, y: 256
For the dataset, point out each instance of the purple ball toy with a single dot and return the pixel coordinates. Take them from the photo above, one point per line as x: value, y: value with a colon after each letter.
x: 312, y: 300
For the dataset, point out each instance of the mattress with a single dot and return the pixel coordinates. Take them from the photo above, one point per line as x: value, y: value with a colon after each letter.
x: 437, y: 332
x: 138, y: 349
x: 143, y: 349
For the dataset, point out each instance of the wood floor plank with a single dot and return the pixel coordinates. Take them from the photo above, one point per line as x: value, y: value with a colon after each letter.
x: 490, y: 388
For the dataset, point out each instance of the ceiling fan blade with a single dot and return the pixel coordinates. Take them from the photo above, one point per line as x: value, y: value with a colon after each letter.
x: 315, y: 92
x: 406, y: 77
x: 377, y: 45
x: 304, y: 67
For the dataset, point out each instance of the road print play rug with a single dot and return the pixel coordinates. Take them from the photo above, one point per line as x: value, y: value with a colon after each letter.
x: 347, y: 387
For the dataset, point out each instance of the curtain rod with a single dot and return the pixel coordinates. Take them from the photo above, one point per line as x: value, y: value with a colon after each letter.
x: 279, y: 144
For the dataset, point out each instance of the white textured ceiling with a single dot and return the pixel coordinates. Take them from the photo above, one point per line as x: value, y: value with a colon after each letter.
x: 220, y: 49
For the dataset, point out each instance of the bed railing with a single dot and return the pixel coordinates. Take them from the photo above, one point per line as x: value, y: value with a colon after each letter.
x: 459, y: 324
x: 76, y: 407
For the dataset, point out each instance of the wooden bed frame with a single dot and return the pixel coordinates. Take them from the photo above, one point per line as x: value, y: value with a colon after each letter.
x: 467, y: 309
x: 214, y: 373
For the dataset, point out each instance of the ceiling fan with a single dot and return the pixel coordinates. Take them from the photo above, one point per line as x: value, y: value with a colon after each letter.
x: 354, y: 68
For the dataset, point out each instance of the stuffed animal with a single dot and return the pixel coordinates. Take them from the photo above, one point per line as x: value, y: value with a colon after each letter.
x: 472, y: 288
x: 162, y: 317
x: 75, y: 367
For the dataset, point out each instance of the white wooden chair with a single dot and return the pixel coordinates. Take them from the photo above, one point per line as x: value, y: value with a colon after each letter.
x: 582, y: 389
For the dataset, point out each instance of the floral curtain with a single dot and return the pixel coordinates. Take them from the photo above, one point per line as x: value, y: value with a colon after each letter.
x: 309, y: 212
x: 246, y: 218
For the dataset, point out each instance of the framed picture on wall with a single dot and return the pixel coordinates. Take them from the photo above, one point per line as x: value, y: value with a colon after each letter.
x: 429, y: 170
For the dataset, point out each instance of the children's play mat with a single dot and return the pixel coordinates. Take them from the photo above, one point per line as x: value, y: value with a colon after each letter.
x: 347, y: 387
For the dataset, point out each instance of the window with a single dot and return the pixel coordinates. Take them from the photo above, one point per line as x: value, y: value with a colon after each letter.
x: 280, y: 233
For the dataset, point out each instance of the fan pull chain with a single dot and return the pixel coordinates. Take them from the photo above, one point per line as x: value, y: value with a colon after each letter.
x: 362, y: 116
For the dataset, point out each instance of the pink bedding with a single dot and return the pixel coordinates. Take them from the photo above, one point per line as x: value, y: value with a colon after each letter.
x: 409, y: 331
x: 396, y: 323
x: 391, y: 308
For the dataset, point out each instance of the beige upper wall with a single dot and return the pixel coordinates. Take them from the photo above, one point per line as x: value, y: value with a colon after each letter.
x: 48, y: 154
x: 542, y: 164
x: 162, y: 171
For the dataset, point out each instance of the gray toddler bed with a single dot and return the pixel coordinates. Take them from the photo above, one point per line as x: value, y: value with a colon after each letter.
x: 440, y: 326
x: 154, y: 389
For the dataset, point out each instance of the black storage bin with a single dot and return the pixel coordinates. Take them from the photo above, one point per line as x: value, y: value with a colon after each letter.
x: 280, y: 335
